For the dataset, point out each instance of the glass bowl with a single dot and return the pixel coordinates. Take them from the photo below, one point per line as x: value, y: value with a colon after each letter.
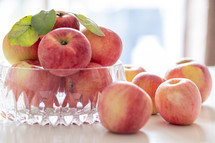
x: 35, y: 96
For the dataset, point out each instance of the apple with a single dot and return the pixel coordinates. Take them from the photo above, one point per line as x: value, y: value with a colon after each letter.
x: 148, y: 82
x: 194, y: 71
x: 17, y: 53
x: 124, y: 107
x: 36, y: 84
x: 85, y: 85
x: 107, y: 49
x: 64, y: 48
x: 64, y: 19
x: 178, y: 101
x: 131, y: 71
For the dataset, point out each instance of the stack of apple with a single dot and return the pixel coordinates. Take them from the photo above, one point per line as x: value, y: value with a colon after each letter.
x: 125, y: 107
x: 61, y: 59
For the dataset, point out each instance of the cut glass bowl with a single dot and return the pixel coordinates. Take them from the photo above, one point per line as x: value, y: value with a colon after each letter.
x: 35, y: 96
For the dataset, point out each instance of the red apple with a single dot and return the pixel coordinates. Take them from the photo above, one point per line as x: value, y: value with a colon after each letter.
x: 131, y: 71
x: 64, y: 48
x: 36, y: 84
x: 148, y: 82
x: 124, y: 107
x: 85, y: 85
x: 178, y: 101
x: 107, y: 49
x: 17, y: 53
x: 194, y: 71
x: 64, y: 19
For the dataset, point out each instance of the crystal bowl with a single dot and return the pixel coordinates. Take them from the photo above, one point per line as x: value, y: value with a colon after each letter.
x: 36, y: 96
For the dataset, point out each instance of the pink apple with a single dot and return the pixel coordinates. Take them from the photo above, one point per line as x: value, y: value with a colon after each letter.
x: 36, y: 84
x: 64, y: 48
x: 107, y: 49
x: 124, y: 107
x: 17, y: 53
x: 131, y: 71
x: 194, y: 71
x: 178, y: 101
x: 86, y: 84
x: 148, y: 82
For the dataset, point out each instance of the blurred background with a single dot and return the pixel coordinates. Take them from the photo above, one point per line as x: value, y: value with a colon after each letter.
x: 155, y: 33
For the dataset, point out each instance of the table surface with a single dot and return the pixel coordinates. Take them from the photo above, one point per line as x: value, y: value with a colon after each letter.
x: 156, y: 130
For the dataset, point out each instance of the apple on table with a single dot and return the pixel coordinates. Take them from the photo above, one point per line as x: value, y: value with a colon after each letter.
x: 195, y: 71
x: 124, y: 107
x: 178, y: 101
x: 131, y: 71
x: 149, y: 82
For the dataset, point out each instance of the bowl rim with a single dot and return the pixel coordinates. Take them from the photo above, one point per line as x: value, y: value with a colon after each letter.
x: 8, y: 66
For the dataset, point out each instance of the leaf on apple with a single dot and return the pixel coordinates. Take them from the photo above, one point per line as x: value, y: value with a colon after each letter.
x: 22, y: 33
x: 44, y: 21
x: 89, y: 24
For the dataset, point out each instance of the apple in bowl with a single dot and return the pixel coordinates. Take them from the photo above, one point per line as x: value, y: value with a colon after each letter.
x: 85, y: 85
x: 107, y: 49
x: 64, y: 19
x: 17, y: 53
x: 36, y: 84
x: 63, y: 49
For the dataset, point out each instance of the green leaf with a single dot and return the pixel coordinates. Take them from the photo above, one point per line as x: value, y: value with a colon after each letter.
x: 89, y: 24
x: 44, y: 21
x: 22, y: 33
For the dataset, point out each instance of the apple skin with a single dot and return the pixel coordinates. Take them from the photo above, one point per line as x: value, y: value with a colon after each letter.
x: 106, y: 50
x: 86, y: 84
x: 149, y: 82
x: 37, y: 85
x: 178, y: 101
x: 17, y: 53
x: 64, y: 48
x: 132, y: 71
x: 64, y: 19
x: 194, y: 71
x: 124, y: 107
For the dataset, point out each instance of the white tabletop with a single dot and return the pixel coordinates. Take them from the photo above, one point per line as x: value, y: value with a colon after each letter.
x: 155, y: 131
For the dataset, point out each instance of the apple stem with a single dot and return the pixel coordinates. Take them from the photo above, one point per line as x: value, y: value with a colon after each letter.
x: 60, y: 14
x: 63, y: 42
